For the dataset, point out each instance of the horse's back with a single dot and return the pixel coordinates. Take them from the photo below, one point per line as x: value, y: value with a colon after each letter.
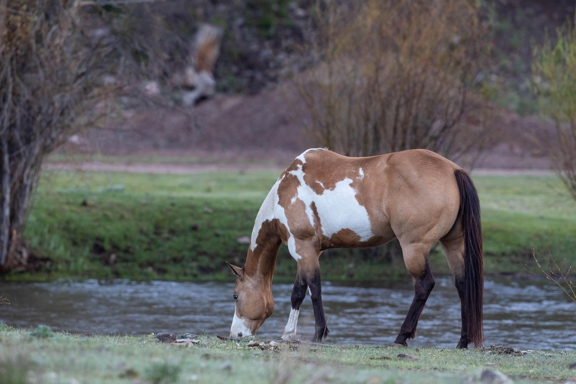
x: 366, y: 201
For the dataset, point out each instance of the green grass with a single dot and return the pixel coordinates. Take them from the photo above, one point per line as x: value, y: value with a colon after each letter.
x: 184, y: 227
x: 66, y: 358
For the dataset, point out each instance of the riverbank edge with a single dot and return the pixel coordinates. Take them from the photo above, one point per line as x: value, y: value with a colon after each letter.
x: 40, y: 355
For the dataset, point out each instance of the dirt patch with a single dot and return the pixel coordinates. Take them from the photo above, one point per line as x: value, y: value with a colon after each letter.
x: 268, y: 129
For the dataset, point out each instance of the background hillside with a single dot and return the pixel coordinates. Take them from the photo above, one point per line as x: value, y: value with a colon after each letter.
x: 257, y: 114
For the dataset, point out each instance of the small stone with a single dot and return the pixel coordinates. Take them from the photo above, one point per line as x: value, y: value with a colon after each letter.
x: 406, y: 356
x: 274, y: 344
x: 226, y: 366
x: 243, y: 240
x: 208, y: 210
x: 166, y: 337
x: 253, y: 343
x: 383, y: 357
x: 494, y: 377
x: 129, y: 373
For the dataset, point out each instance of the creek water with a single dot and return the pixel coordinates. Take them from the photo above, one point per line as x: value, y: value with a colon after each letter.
x: 527, y: 314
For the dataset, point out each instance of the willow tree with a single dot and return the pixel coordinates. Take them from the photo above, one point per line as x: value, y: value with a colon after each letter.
x: 48, y: 78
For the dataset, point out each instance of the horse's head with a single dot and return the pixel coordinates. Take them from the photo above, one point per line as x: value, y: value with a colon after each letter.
x: 254, y: 304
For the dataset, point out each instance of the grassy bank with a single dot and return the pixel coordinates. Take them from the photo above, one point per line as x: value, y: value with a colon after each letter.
x: 184, y: 227
x: 40, y: 356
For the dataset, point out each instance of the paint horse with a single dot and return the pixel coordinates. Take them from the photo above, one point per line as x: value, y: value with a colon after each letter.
x: 324, y: 200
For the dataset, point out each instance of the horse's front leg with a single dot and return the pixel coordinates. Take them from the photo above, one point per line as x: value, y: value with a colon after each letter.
x: 298, y: 296
x: 310, y: 268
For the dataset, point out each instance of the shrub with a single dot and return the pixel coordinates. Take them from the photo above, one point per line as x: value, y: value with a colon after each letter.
x: 554, y: 81
x: 42, y: 332
x: 392, y: 75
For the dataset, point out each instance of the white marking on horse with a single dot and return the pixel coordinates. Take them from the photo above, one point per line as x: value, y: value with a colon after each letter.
x: 302, y: 156
x: 291, y: 326
x: 239, y: 328
x: 265, y: 213
x: 280, y: 214
x: 361, y: 173
x: 338, y: 208
x: 270, y: 210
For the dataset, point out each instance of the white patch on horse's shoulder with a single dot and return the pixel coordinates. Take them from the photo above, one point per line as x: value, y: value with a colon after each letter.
x: 238, y: 327
x: 361, y: 173
x: 293, y: 200
x: 266, y: 213
x: 348, y: 214
x: 337, y: 208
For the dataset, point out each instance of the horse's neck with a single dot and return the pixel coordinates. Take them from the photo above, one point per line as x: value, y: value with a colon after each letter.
x: 261, y: 259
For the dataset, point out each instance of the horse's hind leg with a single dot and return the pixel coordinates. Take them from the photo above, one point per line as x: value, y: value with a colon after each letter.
x: 298, y: 295
x: 454, y: 248
x: 416, y: 259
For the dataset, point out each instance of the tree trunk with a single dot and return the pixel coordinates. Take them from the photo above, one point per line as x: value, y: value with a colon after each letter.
x: 4, y: 201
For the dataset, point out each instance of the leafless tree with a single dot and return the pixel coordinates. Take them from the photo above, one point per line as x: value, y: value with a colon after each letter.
x: 57, y: 72
x: 50, y: 84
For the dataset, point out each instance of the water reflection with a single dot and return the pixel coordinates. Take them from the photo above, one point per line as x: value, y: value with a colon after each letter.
x: 524, y: 314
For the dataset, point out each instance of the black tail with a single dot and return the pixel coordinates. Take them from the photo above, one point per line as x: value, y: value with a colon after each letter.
x: 473, y: 256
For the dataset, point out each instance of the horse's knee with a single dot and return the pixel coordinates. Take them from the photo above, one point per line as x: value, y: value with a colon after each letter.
x: 298, y: 292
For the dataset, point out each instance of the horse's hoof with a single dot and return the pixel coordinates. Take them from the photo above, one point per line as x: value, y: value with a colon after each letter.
x: 462, y: 343
x: 290, y: 337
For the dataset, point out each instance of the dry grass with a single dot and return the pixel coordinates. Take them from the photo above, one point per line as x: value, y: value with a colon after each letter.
x: 558, y: 273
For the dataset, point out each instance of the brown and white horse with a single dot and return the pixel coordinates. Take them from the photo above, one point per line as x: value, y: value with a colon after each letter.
x: 324, y: 200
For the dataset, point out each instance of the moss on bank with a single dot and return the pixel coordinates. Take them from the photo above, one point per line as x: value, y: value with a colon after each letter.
x: 184, y: 227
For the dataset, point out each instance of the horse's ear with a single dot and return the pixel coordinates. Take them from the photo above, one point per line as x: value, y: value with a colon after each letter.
x: 236, y: 270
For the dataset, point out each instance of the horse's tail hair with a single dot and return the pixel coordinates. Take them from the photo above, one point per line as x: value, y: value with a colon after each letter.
x: 473, y: 256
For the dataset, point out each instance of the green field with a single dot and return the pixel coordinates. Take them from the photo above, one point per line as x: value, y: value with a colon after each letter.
x: 40, y: 356
x: 184, y: 227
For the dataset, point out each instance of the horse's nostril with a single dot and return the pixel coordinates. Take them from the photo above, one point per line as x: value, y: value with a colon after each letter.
x: 239, y: 334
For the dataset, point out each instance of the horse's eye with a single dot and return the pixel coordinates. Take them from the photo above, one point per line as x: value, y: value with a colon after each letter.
x: 235, y: 297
